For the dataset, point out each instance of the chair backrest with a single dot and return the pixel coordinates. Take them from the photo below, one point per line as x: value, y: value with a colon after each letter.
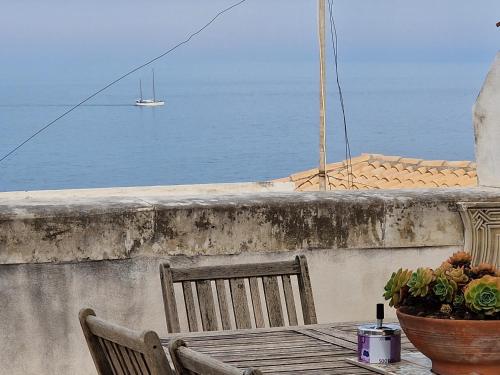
x: 238, y: 276
x: 117, y: 350
x: 188, y: 362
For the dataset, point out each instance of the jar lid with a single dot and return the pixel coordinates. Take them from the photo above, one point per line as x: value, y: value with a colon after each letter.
x: 374, y: 330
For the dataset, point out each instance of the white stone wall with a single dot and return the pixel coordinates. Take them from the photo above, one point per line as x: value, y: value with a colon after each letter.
x: 486, y: 120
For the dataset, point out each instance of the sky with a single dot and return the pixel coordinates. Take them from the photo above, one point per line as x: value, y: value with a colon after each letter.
x: 378, y: 30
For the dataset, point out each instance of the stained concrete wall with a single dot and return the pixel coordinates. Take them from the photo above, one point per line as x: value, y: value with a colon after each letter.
x: 40, y: 333
x: 59, y: 254
x: 56, y: 228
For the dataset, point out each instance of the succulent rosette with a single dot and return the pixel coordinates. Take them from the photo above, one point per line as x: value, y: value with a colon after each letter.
x: 457, y: 275
x: 460, y: 259
x: 454, y: 290
x: 458, y: 300
x: 482, y: 295
x: 444, y: 289
x: 395, y: 288
x: 484, y: 269
x: 440, y: 271
x: 420, y: 281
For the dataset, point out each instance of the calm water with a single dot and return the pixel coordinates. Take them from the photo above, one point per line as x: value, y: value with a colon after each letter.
x: 225, y: 122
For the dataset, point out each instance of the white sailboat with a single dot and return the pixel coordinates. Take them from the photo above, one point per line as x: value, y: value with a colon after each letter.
x: 148, y: 102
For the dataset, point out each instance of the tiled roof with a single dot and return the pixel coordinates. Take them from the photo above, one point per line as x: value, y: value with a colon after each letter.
x: 375, y: 171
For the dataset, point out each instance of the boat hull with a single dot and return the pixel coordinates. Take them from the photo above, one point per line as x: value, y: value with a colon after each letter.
x: 150, y: 104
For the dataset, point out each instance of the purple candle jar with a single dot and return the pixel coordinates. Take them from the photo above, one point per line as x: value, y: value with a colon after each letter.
x: 379, y: 344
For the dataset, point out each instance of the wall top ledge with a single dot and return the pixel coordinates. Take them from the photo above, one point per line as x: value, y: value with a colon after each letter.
x: 47, y: 203
x: 45, y: 227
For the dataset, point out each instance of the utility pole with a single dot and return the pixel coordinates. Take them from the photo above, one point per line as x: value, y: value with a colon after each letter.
x: 322, y: 91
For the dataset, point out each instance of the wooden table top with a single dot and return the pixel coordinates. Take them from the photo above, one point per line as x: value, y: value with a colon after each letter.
x: 313, y: 349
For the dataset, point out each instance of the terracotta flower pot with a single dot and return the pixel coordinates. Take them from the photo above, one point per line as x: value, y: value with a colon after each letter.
x: 456, y: 347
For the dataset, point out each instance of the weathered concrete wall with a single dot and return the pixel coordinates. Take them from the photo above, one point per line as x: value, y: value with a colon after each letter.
x: 62, y: 229
x: 165, y: 190
x: 40, y: 333
x: 60, y: 253
x: 487, y: 128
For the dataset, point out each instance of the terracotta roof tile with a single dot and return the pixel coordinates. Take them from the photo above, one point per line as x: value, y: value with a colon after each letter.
x: 459, y: 172
x: 362, y: 157
x: 410, y: 161
x: 387, y: 165
x: 390, y: 159
x: 432, y: 163
x: 399, y: 166
x: 459, y: 164
x: 376, y: 171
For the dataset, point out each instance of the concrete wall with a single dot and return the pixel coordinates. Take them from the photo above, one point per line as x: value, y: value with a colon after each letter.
x: 145, y: 191
x: 59, y: 254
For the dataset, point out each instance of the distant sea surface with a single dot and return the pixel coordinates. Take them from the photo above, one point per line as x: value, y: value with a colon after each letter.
x: 225, y: 122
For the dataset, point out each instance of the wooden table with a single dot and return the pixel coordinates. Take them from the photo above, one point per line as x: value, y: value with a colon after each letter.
x: 313, y: 349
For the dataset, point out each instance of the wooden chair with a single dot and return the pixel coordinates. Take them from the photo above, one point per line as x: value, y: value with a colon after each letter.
x: 188, y: 362
x: 119, y: 351
x: 269, y: 273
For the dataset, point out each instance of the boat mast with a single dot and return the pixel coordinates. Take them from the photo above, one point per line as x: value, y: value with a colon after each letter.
x: 154, y: 93
x: 322, y: 101
x: 140, y: 88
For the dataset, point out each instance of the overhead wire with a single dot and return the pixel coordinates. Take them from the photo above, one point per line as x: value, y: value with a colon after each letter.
x: 334, y: 39
x: 185, y: 41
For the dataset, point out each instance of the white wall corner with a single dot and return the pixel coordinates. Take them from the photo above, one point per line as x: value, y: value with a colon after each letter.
x: 486, y: 119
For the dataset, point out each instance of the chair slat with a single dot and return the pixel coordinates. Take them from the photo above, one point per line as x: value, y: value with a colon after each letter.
x: 207, y: 306
x: 306, y: 296
x: 107, y: 355
x: 125, y: 359
x: 167, y: 287
x: 256, y: 302
x: 190, y: 307
x: 223, y: 304
x: 273, y: 301
x: 133, y: 361
x: 142, y: 363
x: 135, y: 357
x: 289, y: 300
x: 240, y: 303
x: 147, y: 368
x: 120, y: 359
x: 112, y: 357
x: 235, y: 271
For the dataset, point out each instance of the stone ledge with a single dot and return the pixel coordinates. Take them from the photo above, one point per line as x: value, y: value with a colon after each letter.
x: 79, y: 228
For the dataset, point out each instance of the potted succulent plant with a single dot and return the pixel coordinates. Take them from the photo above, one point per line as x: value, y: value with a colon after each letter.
x: 451, y: 314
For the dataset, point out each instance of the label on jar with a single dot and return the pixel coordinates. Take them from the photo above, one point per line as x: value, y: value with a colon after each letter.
x: 379, y: 349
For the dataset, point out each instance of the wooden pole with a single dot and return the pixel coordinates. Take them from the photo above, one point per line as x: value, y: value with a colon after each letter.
x: 322, y: 90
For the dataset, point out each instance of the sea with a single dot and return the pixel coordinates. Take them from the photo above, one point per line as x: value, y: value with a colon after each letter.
x: 229, y: 121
